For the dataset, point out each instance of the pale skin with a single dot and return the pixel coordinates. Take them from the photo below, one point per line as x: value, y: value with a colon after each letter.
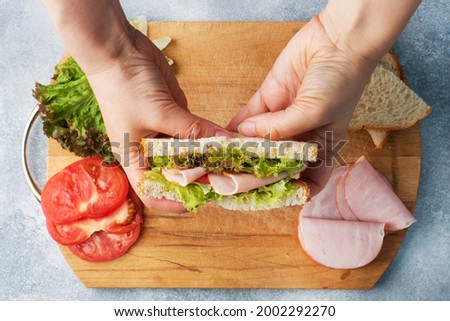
x: 312, y: 88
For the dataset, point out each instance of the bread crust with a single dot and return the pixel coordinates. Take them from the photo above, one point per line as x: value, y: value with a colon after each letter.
x: 257, y: 146
x: 390, y: 62
x: 379, y: 137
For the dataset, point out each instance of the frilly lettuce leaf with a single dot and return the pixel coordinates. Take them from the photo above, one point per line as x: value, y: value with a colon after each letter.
x: 71, y: 113
x: 196, y: 194
x: 218, y: 160
x: 273, y: 167
x: 192, y: 195
x: 267, y: 196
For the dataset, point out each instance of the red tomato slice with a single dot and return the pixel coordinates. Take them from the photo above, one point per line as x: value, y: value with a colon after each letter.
x: 86, y: 188
x: 203, y: 180
x: 122, y: 220
x: 101, y: 246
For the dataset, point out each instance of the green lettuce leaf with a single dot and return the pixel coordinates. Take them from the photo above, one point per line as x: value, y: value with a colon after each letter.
x: 218, y: 160
x: 70, y: 112
x: 196, y: 194
x: 192, y: 195
x: 271, y: 167
x: 267, y: 196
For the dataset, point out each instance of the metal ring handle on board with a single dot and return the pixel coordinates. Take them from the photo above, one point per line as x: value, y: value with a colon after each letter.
x: 34, y: 187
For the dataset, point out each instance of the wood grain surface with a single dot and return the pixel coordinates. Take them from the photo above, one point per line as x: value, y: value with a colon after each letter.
x: 220, y: 65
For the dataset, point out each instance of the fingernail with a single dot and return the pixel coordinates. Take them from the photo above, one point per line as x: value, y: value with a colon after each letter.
x: 221, y: 133
x: 247, y: 128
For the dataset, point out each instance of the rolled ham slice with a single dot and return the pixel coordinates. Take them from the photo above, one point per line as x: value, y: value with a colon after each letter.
x: 344, y: 210
x: 230, y: 184
x: 372, y: 199
x: 341, y: 244
x: 323, y: 205
x: 183, y: 177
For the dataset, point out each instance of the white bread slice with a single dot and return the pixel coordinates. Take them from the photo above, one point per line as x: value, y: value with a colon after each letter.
x: 387, y: 103
x: 301, y: 196
x: 156, y: 189
x: 292, y: 149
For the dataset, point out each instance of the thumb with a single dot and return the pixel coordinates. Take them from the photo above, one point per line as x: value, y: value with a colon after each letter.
x: 292, y: 121
x: 175, y: 121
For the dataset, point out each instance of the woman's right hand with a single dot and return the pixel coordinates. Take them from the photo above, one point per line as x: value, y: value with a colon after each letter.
x: 318, y: 79
x: 312, y: 89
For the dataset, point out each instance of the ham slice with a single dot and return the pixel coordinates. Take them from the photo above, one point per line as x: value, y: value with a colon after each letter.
x: 230, y: 184
x: 323, y: 205
x: 183, y: 177
x: 341, y: 244
x: 343, y: 226
x: 344, y: 210
x: 372, y: 199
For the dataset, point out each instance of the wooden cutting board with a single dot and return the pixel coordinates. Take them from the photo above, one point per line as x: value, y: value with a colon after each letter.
x: 220, y: 65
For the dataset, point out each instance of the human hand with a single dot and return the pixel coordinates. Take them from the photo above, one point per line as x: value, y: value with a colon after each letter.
x: 137, y: 91
x: 312, y: 89
x: 140, y: 96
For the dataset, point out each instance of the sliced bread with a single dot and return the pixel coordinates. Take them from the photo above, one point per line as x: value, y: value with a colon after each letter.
x: 387, y: 103
x: 156, y: 189
x: 170, y: 146
x: 391, y: 63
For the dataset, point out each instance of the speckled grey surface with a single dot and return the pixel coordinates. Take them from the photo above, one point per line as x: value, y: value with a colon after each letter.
x: 31, y: 266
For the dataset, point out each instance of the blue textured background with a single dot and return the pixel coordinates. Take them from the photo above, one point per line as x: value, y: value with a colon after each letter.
x: 31, y: 266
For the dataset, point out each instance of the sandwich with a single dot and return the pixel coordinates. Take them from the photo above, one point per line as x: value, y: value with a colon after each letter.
x: 240, y: 173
